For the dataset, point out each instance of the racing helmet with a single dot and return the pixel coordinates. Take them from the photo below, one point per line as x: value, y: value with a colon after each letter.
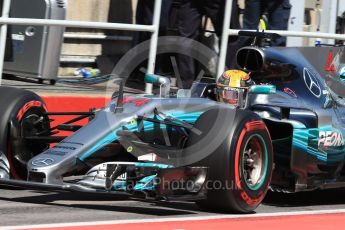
x: 231, y: 84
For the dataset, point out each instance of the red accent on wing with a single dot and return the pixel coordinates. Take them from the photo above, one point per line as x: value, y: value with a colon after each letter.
x: 329, y: 66
x: 127, y: 99
x: 136, y: 101
x: 140, y: 102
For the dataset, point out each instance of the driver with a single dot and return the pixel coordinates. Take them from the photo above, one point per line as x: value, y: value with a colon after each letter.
x: 230, y: 85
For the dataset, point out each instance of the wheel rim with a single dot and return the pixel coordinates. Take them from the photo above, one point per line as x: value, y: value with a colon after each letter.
x: 254, y: 162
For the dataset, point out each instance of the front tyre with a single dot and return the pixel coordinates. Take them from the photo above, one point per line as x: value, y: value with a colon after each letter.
x: 22, y: 115
x: 241, y: 166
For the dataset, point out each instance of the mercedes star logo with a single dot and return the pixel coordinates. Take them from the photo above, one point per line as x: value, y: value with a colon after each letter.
x: 312, y: 83
x: 42, y: 162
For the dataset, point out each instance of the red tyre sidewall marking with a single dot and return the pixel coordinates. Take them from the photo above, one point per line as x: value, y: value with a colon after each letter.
x: 249, y: 126
x: 28, y: 106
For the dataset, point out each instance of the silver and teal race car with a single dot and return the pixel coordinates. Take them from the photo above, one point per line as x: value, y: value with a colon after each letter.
x: 284, y: 133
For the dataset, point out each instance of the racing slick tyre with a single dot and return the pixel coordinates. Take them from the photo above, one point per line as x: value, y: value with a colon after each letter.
x: 22, y: 115
x: 240, y: 169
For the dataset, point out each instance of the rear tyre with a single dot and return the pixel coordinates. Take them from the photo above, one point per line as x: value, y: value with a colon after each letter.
x: 22, y: 115
x: 240, y: 169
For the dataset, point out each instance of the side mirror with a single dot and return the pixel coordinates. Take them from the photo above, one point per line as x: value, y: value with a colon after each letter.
x: 153, y: 79
x: 329, y: 102
x: 162, y: 82
x: 262, y: 89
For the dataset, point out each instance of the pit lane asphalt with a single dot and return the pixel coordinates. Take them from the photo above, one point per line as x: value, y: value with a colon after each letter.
x: 28, y: 207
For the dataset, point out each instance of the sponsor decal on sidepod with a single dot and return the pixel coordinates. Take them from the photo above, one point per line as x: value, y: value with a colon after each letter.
x: 330, y: 139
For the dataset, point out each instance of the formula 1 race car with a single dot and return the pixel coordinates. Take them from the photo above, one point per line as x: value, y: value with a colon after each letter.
x: 219, y: 145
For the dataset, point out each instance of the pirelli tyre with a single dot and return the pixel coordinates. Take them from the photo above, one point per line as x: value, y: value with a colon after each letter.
x: 22, y: 116
x: 240, y: 168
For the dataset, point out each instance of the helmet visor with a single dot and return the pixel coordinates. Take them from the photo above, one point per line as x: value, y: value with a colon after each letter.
x: 229, y: 95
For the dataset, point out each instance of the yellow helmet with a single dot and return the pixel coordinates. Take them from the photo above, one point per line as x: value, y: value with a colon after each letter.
x: 233, y: 78
x: 230, y: 84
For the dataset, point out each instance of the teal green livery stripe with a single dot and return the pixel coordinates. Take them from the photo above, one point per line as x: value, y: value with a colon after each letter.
x: 111, y: 137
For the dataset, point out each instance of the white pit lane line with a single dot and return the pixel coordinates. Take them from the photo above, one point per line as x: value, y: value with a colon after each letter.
x: 160, y: 220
